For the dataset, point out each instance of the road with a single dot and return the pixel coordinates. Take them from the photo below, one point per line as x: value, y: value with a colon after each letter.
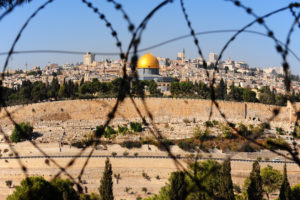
x: 139, y: 157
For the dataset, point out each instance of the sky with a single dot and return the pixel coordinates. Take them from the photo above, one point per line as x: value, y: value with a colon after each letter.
x: 71, y: 25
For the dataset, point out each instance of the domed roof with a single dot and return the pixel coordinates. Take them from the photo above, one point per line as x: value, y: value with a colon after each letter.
x: 148, y: 60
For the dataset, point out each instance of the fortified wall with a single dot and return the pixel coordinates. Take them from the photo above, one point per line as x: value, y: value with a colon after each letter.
x: 163, y: 110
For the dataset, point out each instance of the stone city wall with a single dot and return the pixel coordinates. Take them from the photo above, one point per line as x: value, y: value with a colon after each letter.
x: 163, y: 110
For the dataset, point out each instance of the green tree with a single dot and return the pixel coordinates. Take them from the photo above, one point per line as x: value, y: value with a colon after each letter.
x: 35, y: 188
x: 296, y: 192
x: 25, y: 91
x: 175, y: 89
x: 136, y: 126
x: 106, y: 183
x: 138, y: 88
x: 221, y: 90
x: 38, y: 91
x: 92, y: 196
x: 249, y: 95
x: 255, y: 190
x: 205, y: 182
x: 285, y: 189
x: 54, y: 89
x: 271, y: 179
x: 39, y: 189
x: 235, y: 94
x: 266, y: 96
x: 22, y: 131
x: 62, y: 91
x: 65, y: 188
x: 226, y: 185
x: 153, y: 89
x: 178, y: 186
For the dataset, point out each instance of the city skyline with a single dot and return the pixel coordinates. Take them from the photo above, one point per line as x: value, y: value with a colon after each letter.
x: 60, y: 27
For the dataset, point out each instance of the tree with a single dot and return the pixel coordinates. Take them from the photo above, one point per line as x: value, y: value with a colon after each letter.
x: 54, y: 88
x: 271, y: 179
x: 255, y: 190
x: 136, y: 126
x: 226, y: 185
x: 34, y: 188
x: 178, y: 186
x: 22, y: 131
x: 266, y: 96
x: 221, y: 90
x: 175, y: 89
x: 296, y: 192
x: 39, y: 189
x: 206, y: 181
x: 38, y: 91
x: 153, y: 89
x: 235, y: 94
x: 285, y: 189
x: 62, y: 91
x: 65, y: 188
x: 249, y: 96
x: 8, y: 183
x: 106, y: 183
x: 117, y: 177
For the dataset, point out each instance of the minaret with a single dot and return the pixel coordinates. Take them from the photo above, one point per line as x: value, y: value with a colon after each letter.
x: 183, y: 55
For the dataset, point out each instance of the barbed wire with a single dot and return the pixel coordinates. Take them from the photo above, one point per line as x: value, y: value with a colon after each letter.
x: 131, y: 54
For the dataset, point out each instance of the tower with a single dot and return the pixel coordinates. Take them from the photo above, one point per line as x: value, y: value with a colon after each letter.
x: 183, y: 55
x: 88, y: 58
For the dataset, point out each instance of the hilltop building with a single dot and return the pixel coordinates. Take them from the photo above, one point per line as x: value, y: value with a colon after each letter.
x: 213, y: 57
x: 181, y: 56
x: 148, y: 69
x: 88, y: 58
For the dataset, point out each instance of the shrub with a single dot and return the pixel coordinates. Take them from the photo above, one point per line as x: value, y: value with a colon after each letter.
x: 201, y: 135
x: 127, y: 189
x: 136, y: 126
x: 77, y: 144
x: 136, y: 154
x: 243, y: 129
x: 279, y: 131
x: 22, y: 131
x: 186, y: 121
x: 274, y: 144
x: 208, y: 124
x: 114, y: 154
x: 99, y: 131
x: 186, y: 145
x: 215, y: 122
x: 227, y: 132
x: 125, y: 153
x: 165, y: 143
x: 122, y: 130
x: 144, y: 189
x: 146, y: 176
x: 131, y: 144
x: 109, y: 131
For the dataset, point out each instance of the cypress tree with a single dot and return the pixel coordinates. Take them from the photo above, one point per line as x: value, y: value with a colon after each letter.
x: 226, y: 186
x: 106, y: 183
x: 285, y: 189
x: 178, y: 186
x: 255, y: 190
x: 221, y: 90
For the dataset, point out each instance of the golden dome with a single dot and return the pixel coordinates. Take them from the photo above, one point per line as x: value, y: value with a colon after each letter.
x: 148, y: 60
